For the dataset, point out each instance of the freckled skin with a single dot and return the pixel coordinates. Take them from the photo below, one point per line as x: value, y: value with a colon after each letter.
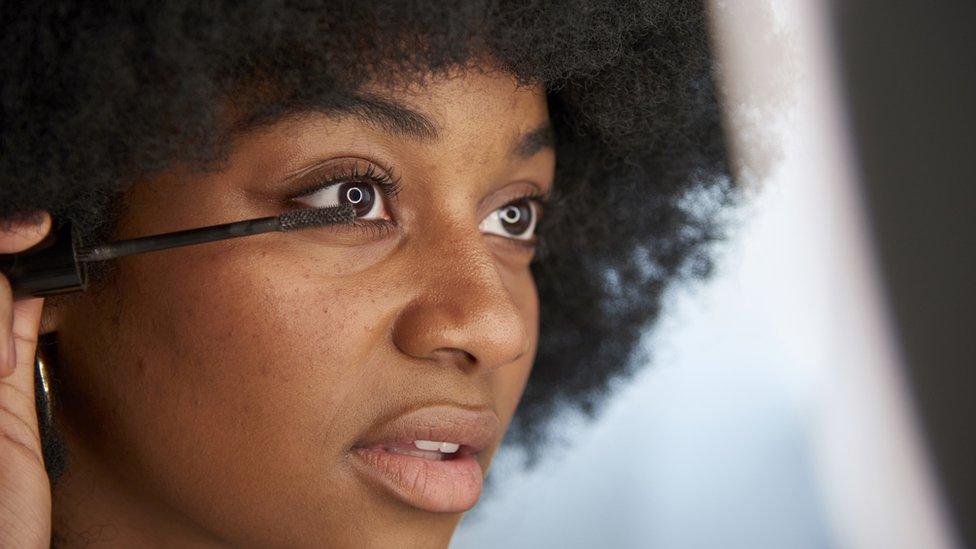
x: 210, y: 393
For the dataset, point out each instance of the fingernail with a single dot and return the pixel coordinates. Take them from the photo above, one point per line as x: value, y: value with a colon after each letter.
x: 21, y: 220
x: 33, y: 217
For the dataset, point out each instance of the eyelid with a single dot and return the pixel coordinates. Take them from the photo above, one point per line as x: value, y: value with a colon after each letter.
x: 542, y: 198
x: 388, y: 183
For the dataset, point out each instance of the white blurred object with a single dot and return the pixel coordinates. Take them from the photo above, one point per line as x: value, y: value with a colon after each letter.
x: 874, y: 473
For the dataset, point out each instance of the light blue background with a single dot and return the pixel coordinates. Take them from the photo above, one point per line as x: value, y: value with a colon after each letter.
x: 707, y: 447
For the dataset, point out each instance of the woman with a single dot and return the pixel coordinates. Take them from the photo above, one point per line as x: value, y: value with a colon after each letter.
x: 528, y: 179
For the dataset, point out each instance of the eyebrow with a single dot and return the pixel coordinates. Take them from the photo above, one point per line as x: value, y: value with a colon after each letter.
x: 393, y: 117
x: 528, y: 144
x: 399, y: 119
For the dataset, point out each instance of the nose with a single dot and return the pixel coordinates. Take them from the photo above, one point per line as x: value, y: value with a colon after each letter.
x: 462, y: 312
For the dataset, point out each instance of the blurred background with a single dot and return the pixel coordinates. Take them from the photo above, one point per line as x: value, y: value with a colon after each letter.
x: 818, y: 390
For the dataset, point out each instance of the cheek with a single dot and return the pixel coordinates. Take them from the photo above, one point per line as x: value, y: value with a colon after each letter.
x: 272, y: 348
x: 237, y: 361
x: 234, y: 370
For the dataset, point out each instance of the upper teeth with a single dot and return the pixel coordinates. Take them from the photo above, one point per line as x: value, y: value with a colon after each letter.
x: 433, y: 445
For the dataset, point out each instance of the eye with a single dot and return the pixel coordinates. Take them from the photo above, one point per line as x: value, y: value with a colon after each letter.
x: 363, y: 196
x: 366, y: 192
x: 515, y: 220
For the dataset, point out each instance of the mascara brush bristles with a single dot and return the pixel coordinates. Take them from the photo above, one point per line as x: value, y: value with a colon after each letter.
x: 305, y: 218
x: 316, y: 217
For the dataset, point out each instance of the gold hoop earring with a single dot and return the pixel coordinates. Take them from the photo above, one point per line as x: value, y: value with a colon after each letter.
x: 44, y: 385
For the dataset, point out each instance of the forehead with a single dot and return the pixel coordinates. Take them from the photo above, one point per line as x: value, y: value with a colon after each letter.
x: 468, y: 96
x: 464, y: 105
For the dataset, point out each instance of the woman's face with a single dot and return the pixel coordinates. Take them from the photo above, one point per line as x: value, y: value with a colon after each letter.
x: 220, y: 391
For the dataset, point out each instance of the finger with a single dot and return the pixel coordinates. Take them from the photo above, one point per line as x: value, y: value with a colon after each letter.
x: 18, y: 409
x: 19, y: 325
x: 21, y: 234
x: 8, y: 348
x: 17, y: 388
x: 26, y: 324
x: 17, y: 235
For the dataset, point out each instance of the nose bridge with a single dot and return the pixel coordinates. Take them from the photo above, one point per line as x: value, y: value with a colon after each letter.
x: 461, y: 305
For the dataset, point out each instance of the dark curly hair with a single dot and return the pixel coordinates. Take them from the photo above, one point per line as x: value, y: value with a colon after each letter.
x: 96, y: 96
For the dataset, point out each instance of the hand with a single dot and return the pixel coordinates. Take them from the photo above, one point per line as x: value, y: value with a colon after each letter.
x: 25, y: 492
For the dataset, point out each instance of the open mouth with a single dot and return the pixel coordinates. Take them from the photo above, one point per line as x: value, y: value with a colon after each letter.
x: 431, y: 480
x: 430, y: 450
x: 427, y: 458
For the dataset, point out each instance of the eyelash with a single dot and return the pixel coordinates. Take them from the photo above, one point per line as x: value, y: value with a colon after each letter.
x: 390, y: 185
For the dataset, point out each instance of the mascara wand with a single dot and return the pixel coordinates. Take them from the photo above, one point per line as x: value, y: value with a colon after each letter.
x: 58, y: 264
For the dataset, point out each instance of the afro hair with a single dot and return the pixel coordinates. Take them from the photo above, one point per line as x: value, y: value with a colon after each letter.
x: 99, y: 96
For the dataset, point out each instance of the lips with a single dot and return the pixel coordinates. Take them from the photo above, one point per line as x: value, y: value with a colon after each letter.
x: 429, y: 475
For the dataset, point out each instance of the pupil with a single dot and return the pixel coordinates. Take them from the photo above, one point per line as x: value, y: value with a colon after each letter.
x: 516, y: 218
x: 361, y: 199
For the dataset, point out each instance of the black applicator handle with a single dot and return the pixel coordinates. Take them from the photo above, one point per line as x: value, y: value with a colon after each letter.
x: 179, y: 238
x: 51, y: 267
x: 57, y: 265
